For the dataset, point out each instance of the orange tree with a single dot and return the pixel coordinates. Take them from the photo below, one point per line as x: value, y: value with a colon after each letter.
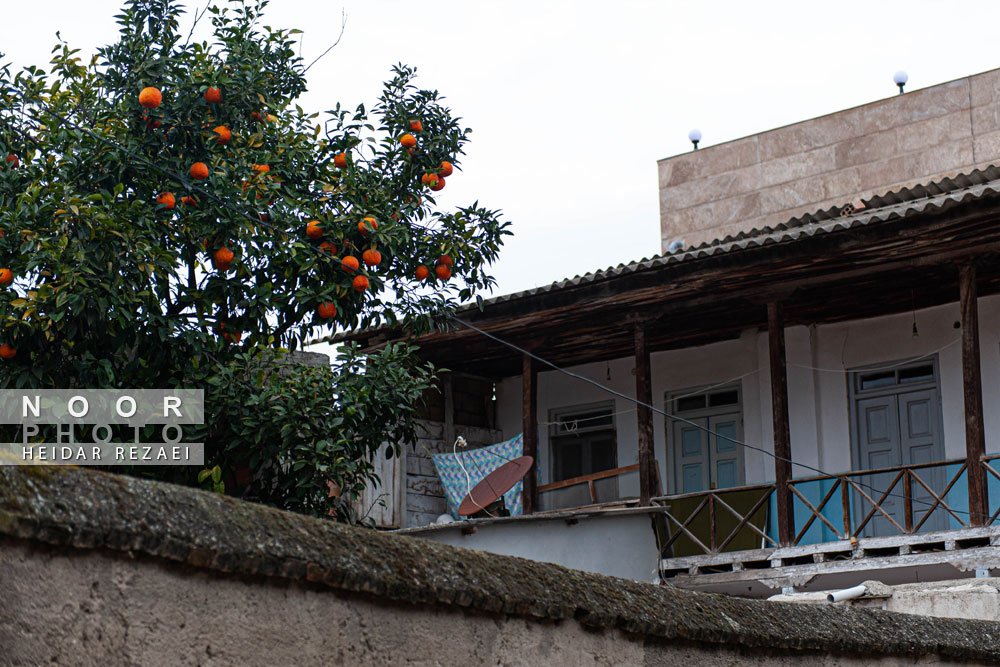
x: 170, y: 217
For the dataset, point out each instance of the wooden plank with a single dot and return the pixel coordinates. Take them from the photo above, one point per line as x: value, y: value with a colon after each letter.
x: 972, y: 384
x: 420, y: 503
x: 967, y: 560
x: 529, y: 425
x: 644, y: 417
x: 426, y: 486
x: 908, y: 500
x: 845, y: 505
x: 584, y: 479
x: 420, y: 465
x: 782, y: 438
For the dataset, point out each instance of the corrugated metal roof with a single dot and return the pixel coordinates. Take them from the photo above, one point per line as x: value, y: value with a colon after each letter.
x: 935, y: 196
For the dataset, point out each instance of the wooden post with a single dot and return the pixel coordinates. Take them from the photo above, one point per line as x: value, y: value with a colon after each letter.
x: 975, y: 441
x: 782, y: 439
x: 449, y: 410
x: 644, y: 394
x: 529, y: 426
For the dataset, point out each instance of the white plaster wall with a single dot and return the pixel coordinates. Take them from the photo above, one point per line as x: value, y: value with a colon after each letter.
x: 818, y: 359
x: 618, y: 545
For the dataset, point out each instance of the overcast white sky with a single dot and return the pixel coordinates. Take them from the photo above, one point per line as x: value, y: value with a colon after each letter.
x: 572, y: 103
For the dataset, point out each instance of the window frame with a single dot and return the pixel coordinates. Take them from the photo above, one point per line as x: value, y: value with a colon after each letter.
x: 561, y: 414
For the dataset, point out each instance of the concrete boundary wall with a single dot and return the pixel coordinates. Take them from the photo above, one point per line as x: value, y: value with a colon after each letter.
x: 102, y: 569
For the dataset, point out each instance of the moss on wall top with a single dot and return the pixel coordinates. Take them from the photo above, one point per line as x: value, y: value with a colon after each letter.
x: 85, y: 509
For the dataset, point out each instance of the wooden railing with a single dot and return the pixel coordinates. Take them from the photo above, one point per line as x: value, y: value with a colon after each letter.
x: 871, y: 496
x: 858, y: 497
x: 588, y: 480
x: 992, y: 471
x: 712, y: 520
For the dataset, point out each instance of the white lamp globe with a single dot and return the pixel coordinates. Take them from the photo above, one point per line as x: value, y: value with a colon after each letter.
x: 694, y: 135
x: 900, y: 78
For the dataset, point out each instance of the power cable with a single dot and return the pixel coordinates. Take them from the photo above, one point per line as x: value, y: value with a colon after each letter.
x: 882, y: 494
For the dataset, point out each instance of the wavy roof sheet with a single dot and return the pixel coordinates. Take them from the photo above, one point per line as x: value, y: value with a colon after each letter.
x: 935, y: 196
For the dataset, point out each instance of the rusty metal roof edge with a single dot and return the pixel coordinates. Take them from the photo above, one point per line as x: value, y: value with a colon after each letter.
x: 977, y: 184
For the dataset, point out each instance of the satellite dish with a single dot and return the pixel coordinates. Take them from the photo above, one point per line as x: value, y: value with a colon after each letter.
x: 494, y: 485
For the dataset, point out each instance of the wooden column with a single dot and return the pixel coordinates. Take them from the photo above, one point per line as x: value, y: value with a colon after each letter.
x: 529, y: 426
x: 779, y: 408
x: 975, y: 441
x: 644, y: 394
x: 449, y: 409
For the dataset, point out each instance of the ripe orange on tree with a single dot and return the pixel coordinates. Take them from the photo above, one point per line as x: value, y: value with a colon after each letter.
x: 6, y: 276
x: 439, y: 185
x: 416, y: 126
x: 360, y: 283
x: 150, y: 97
x: 445, y: 169
x: 445, y: 259
x: 326, y: 246
x: 443, y: 271
x: 199, y: 172
x: 366, y: 225
x: 262, y: 168
x: 327, y: 310
x: 190, y: 201
x: 340, y: 160
x: 313, y: 230
x: 430, y: 180
x: 422, y: 272
x: 225, y: 136
x: 167, y: 199
x: 350, y: 263
x: 213, y: 95
x: 13, y: 161
x: 371, y: 257
x: 223, y: 256
x: 408, y: 141
x: 7, y: 351
x: 228, y: 336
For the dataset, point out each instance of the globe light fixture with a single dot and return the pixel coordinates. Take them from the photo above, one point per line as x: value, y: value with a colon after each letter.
x: 900, y: 78
x: 694, y: 136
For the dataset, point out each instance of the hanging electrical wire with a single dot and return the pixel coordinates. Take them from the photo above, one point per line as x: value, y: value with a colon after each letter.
x: 882, y: 493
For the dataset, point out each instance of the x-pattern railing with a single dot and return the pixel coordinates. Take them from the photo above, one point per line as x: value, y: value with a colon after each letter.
x: 909, y: 484
x: 712, y: 501
x: 900, y: 487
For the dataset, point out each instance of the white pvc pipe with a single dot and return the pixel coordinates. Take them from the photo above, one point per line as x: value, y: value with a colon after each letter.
x: 846, y: 594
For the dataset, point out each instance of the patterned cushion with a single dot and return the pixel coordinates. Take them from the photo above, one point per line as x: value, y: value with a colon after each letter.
x: 478, y: 464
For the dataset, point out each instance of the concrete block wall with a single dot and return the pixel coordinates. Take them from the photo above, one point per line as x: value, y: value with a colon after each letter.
x: 771, y: 177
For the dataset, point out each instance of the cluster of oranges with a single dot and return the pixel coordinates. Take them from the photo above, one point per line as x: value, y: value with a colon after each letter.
x: 432, y: 179
x: 151, y: 98
x: 349, y: 263
x: 222, y: 257
x: 442, y: 269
